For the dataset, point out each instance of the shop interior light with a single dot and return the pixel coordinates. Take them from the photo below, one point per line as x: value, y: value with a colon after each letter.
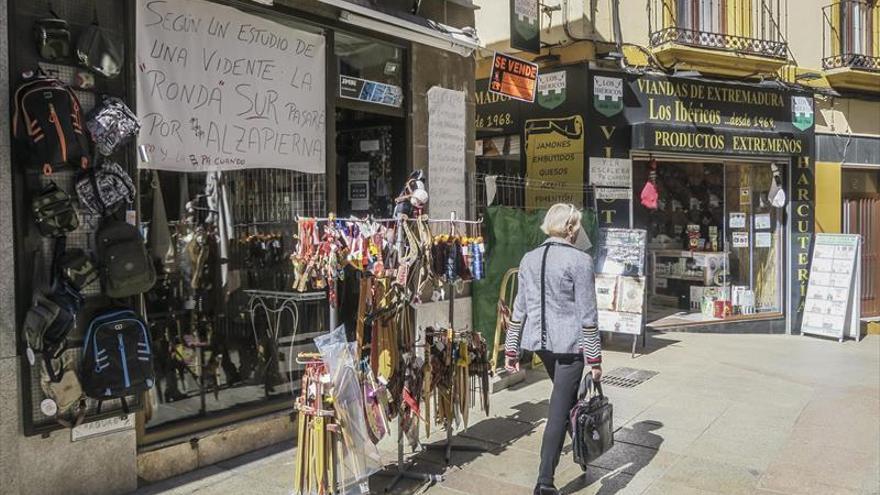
x: 414, y: 33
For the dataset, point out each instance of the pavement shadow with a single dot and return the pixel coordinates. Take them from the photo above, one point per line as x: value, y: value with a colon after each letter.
x: 491, y: 436
x: 634, y: 448
x: 654, y: 341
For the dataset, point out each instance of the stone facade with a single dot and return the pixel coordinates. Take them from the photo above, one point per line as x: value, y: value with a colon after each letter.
x: 111, y: 464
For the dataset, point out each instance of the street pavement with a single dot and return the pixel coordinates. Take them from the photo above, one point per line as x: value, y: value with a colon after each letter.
x: 728, y: 414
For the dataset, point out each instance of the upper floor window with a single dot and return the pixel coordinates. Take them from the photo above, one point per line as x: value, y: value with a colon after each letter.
x: 743, y: 26
x: 852, y: 34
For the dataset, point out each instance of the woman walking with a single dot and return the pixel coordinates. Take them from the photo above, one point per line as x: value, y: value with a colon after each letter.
x: 554, y: 315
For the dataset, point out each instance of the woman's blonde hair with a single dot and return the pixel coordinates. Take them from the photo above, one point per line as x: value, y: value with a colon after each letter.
x: 561, y: 219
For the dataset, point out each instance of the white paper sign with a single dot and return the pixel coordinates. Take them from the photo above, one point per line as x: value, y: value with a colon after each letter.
x: 446, y: 152
x: 763, y: 239
x: 613, y: 321
x: 358, y: 171
x: 737, y: 220
x: 740, y: 239
x: 614, y: 172
x: 219, y: 89
x: 762, y: 221
x: 370, y: 145
x: 359, y: 185
x: 609, y: 193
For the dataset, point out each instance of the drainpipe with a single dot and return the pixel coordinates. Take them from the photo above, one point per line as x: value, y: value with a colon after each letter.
x: 618, y: 36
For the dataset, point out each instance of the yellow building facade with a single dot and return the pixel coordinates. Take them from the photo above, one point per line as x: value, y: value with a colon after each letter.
x: 828, y: 48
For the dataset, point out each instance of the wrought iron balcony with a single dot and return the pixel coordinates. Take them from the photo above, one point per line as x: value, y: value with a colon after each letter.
x: 851, y: 35
x: 749, y: 27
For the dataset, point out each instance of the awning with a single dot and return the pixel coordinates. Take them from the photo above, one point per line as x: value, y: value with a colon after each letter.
x: 410, y: 27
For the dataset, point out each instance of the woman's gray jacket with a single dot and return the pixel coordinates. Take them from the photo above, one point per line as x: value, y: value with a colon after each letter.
x: 570, y: 302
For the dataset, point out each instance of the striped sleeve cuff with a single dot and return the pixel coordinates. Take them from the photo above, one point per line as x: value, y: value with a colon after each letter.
x: 511, y: 343
x: 591, y: 346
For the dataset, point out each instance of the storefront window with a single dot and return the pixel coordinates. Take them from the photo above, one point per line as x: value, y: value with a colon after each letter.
x: 225, y: 318
x: 715, y: 242
x: 369, y: 71
x: 499, y: 156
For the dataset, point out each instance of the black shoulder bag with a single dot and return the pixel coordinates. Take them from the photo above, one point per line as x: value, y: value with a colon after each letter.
x: 591, y: 423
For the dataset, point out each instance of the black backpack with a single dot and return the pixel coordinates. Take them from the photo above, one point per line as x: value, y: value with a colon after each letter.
x: 97, y: 52
x: 117, y: 358
x: 51, y: 316
x: 48, y: 117
x: 126, y: 268
x: 53, y: 212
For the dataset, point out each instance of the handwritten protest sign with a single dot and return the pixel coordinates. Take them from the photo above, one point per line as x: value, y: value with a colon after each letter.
x: 219, y: 89
x: 446, y: 151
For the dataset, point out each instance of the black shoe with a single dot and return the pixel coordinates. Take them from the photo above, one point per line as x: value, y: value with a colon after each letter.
x: 546, y: 490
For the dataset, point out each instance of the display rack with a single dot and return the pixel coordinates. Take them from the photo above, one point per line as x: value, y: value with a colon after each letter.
x: 113, y: 17
x: 448, y: 445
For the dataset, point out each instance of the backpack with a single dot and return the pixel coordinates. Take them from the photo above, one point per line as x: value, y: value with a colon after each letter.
x: 117, y: 358
x: 52, y: 37
x: 105, y: 189
x: 68, y: 404
x: 47, y: 323
x: 48, y: 117
x: 76, y: 268
x: 52, y: 314
x: 96, y: 51
x: 125, y: 266
x: 53, y: 212
x: 112, y: 124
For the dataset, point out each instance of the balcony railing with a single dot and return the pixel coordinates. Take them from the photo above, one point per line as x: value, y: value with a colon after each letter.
x: 851, y: 35
x: 749, y: 27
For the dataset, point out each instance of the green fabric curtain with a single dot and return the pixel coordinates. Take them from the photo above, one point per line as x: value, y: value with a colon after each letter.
x: 510, y: 234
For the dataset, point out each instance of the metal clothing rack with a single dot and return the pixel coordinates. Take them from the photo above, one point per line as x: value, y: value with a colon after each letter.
x: 390, y: 220
x: 448, y: 446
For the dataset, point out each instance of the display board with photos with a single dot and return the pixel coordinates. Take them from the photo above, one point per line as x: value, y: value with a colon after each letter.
x: 831, y: 308
x: 620, y: 280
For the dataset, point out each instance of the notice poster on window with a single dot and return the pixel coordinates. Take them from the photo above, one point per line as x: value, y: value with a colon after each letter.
x: 446, y: 152
x: 620, y: 280
x: 763, y: 239
x: 831, y: 308
x: 739, y: 239
x: 359, y: 185
x: 220, y: 89
x: 555, y: 161
x: 737, y: 220
x: 613, y: 172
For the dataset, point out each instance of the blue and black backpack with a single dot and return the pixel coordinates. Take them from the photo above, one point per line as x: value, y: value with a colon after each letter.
x: 117, y: 357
